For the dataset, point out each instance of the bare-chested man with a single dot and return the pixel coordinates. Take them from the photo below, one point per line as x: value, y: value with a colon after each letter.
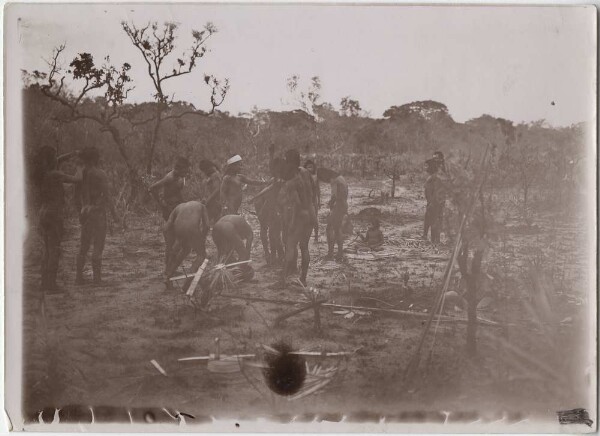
x: 186, y: 229
x: 312, y: 169
x: 268, y: 213
x: 231, y: 186
x: 299, y: 214
x: 435, y: 196
x: 95, y: 200
x: 229, y: 234
x: 213, y: 190
x: 338, y: 207
x: 172, y: 187
x: 49, y: 182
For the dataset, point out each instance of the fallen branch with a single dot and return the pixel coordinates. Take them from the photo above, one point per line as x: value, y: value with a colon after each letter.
x: 309, y: 306
x: 409, y: 313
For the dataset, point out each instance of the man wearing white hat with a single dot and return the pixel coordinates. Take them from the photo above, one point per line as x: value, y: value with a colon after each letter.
x: 231, y: 186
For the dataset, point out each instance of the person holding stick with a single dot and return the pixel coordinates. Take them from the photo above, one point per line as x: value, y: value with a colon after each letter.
x: 231, y: 186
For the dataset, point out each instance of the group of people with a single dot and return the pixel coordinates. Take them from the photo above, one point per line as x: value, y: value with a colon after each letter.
x: 286, y: 208
x: 93, y: 202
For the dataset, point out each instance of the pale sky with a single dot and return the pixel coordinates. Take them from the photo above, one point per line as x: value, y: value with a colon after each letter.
x: 510, y: 62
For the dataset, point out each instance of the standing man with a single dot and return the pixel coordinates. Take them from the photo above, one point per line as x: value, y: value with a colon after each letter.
x: 49, y: 180
x: 312, y: 169
x: 434, y: 194
x: 172, y: 187
x: 213, y: 190
x: 338, y: 207
x: 95, y: 199
x: 298, y: 212
x: 231, y: 186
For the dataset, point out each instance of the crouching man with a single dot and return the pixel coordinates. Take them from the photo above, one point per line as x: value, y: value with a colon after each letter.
x: 186, y: 229
x: 229, y: 234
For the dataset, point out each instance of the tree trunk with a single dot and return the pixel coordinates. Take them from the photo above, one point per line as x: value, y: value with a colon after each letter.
x: 393, y: 186
x: 153, y: 139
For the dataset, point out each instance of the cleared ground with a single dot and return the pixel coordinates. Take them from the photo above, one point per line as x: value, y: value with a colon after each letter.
x: 96, y: 343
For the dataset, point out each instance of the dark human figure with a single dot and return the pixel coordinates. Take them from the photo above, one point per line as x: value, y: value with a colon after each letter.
x: 172, y: 187
x: 229, y: 234
x: 312, y: 169
x: 49, y: 180
x: 186, y: 229
x: 213, y: 190
x: 338, y: 207
x: 298, y: 212
x: 95, y: 200
x: 373, y: 238
x: 231, y: 186
x: 434, y: 194
x: 438, y: 156
x: 269, y: 216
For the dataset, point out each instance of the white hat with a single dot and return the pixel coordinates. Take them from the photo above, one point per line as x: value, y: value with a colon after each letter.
x: 234, y: 159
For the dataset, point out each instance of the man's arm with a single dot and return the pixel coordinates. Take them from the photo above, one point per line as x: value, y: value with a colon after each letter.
x: 216, y: 190
x: 333, y: 194
x: 154, y: 188
x: 224, y: 191
x: 66, y: 156
x: 249, y: 181
x: 67, y: 178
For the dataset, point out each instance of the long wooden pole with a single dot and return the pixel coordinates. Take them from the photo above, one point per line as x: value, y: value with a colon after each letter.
x: 414, y: 362
x: 372, y: 309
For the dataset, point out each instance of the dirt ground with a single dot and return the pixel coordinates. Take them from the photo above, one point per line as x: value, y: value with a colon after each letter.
x: 96, y: 342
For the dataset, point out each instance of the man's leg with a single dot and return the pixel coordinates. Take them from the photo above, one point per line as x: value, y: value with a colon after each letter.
x: 304, y: 240
x: 264, y: 237
x: 339, y: 236
x: 99, y: 234
x: 275, y: 241
x: 291, y: 253
x: 305, y: 259
x: 84, y: 247
x: 435, y: 224
x: 330, y: 232
x: 427, y: 221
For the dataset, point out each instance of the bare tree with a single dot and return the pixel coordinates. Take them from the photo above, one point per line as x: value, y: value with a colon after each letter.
x: 156, y: 44
x: 307, y: 99
x: 106, y: 80
x: 395, y: 167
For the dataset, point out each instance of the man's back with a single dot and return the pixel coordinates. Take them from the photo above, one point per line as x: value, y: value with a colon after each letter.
x: 173, y: 189
x: 339, y: 189
x: 52, y: 191
x: 94, y: 187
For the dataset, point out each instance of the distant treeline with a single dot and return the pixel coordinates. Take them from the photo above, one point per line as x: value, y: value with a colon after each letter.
x: 355, y: 145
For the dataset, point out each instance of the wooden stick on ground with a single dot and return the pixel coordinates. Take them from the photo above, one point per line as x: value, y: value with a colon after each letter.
x: 285, y: 316
x: 373, y: 309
